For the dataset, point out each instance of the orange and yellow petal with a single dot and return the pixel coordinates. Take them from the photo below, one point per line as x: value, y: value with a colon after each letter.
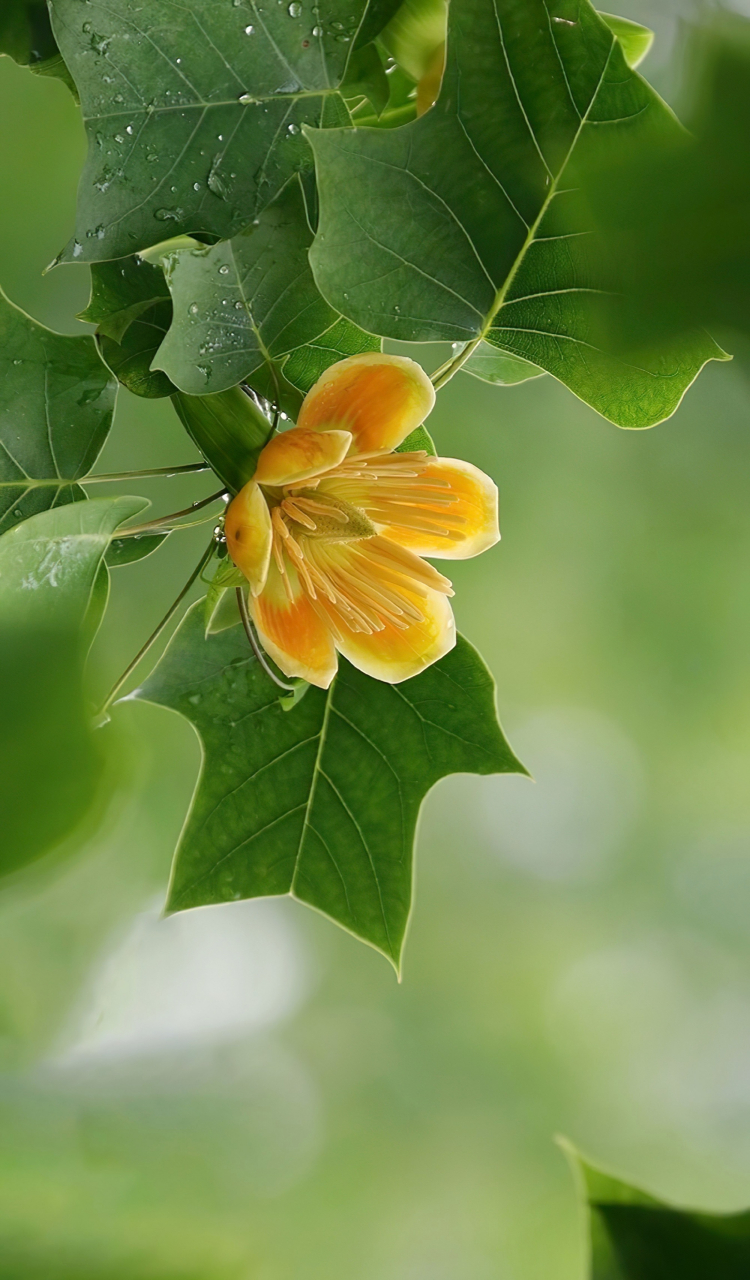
x: 249, y: 535
x: 393, y: 655
x: 292, y: 633
x: 387, y: 609
x: 379, y: 398
x: 299, y: 454
x: 459, y: 521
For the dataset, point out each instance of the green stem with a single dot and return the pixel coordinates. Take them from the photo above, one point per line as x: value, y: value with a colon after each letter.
x: 153, y: 526
x: 447, y: 370
x: 155, y: 633
x: 145, y: 475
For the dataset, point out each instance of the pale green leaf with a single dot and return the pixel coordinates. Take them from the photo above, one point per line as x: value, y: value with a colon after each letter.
x: 194, y: 111
x: 491, y: 364
x: 56, y: 405
x: 53, y: 590
x: 248, y: 310
x: 635, y: 40
x: 496, y: 244
x: 634, y: 1236
x: 320, y: 802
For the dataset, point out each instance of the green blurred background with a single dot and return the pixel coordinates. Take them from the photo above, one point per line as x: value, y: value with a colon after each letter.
x: 245, y: 1091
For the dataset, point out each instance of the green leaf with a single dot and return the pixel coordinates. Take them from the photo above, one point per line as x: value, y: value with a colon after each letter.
x: 193, y: 111
x: 56, y: 405
x: 320, y: 802
x: 248, y: 310
x: 490, y: 364
x: 131, y: 358
x: 634, y: 1236
x: 494, y: 180
x: 52, y: 594
x: 635, y: 40
x: 366, y: 78
x: 121, y: 291
x: 420, y: 438
x: 123, y: 551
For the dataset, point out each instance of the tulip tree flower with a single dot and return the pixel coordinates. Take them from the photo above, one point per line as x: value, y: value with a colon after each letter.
x: 331, y: 530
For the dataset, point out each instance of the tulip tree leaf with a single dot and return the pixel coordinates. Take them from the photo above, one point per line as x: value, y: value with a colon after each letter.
x: 121, y: 291
x: 496, y: 242
x: 490, y: 365
x: 194, y: 110
x: 248, y: 309
x: 53, y: 586
x: 56, y: 405
x: 320, y: 802
x: 131, y: 358
x: 634, y: 39
x: 634, y: 1236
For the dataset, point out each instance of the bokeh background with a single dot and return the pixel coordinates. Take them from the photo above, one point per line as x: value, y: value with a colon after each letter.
x: 245, y: 1091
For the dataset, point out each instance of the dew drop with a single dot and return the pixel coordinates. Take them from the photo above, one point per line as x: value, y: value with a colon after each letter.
x: 87, y: 28
x: 77, y: 249
x: 118, y: 98
x: 342, y: 39
x: 292, y: 128
x: 129, y: 129
x: 168, y: 215
x: 249, y: 30
x: 224, y: 270
x: 193, y: 309
x: 245, y: 99
x: 118, y: 138
x: 238, y: 306
x: 194, y: 699
x: 294, y: 10
x: 18, y: 513
x: 317, y: 31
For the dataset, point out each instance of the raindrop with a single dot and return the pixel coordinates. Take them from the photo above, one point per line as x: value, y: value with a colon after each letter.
x: 196, y: 186
x: 292, y: 128
x: 119, y: 138
x: 317, y: 31
x: 129, y: 129
x: 18, y: 361
x: 100, y: 232
x: 337, y: 26
x: 18, y: 513
x: 193, y: 308
x: 152, y: 157
x: 224, y: 270
x: 167, y: 215
x: 249, y: 30
x: 77, y: 249
x: 238, y: 306
x: 118, y: 98
x: 87, y: 28
x: 294, y: 9
x: 342, y: 39
x: 194, y: 699
x: 246, y: 98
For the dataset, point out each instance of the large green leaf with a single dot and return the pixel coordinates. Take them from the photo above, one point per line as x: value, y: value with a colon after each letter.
x: 493, y: 177
x: 320, y: 802
x: 53, y: 587
x: 248, y: 310
x: 56, y: 406
x: 194, y: 110
x: 636, y: 1237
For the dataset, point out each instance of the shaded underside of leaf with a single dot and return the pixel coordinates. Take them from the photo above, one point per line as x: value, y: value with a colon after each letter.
x: 495, y: 244
x: 322, y: 801
x: 194, y: 111
x: 57, y: 399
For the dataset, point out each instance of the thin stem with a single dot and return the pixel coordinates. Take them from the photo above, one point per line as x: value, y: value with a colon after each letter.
x: 447, y: 370
x: 255, y: 646
x: 154, y: 525
x: 157, y: 631
x: 146, y: 475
